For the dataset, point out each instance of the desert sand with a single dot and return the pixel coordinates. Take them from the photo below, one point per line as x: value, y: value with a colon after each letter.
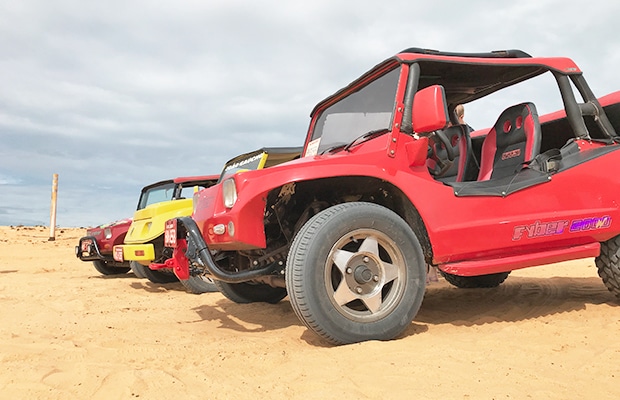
x: 67, y: 332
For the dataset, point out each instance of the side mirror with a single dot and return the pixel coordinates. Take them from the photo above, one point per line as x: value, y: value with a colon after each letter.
x: 430, y: 111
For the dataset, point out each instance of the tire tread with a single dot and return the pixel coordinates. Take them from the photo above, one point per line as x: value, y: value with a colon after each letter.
x: 608, y: 265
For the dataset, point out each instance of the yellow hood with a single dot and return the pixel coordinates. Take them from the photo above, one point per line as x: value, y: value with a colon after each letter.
x: 148, y: 223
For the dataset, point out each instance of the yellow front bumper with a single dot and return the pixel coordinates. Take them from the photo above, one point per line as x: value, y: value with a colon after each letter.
x: 144, y: 253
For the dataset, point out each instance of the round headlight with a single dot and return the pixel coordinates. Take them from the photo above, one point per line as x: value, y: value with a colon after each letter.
x: 108, y: 233
x: 229, y: 192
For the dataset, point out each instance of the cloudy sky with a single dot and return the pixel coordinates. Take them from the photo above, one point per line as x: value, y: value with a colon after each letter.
x: 117, y: 94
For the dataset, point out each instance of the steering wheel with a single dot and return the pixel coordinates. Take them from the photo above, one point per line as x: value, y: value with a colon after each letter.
x: 440, y: 137
x: 442, y: 165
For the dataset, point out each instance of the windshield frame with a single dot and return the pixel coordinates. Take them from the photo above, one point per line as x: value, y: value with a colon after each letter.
x: 146, y: 198
x: 351, y: 114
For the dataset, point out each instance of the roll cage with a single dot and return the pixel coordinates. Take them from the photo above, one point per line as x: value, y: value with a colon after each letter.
x: 466, y: 77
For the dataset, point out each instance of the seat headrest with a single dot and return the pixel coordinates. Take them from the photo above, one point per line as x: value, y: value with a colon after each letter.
x: 517, y: 124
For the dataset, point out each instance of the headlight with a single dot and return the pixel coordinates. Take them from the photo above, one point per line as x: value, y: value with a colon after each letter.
x: 229, y: 192
x: 108, y: 233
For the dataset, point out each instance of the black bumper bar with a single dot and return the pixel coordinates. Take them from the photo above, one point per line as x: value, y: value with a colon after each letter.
x: 198, y: 247
x: 93, y: 252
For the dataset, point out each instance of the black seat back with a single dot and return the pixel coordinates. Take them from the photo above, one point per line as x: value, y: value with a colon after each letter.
x: 513, y: 140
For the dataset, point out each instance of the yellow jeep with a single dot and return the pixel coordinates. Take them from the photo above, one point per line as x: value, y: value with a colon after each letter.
x: 144, y: 242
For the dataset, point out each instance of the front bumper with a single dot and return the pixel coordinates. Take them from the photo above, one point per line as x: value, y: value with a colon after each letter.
x: 88, y: 250
x: 144, y: 252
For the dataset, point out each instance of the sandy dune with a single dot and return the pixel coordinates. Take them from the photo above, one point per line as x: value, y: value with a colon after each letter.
x: 66, y: 332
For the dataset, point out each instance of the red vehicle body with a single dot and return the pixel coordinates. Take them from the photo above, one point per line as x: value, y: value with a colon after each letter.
x: 98, y: 243
x: 391, y: 187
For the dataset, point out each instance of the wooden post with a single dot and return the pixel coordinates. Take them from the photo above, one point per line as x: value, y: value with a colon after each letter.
x: 53, y: 208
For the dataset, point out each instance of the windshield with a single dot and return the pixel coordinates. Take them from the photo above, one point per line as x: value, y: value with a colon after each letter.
x: 157, y: 194
x: 368, y: 109
x: 187, y: 189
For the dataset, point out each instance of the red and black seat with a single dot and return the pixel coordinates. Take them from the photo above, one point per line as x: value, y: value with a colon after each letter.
x: 513, y: 140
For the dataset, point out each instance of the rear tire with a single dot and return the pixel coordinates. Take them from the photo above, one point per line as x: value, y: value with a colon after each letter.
x: 106, y: 269
x: 475, y: 282
x: 608, y: 265
x: 199, y: 284
x: 247, y: 292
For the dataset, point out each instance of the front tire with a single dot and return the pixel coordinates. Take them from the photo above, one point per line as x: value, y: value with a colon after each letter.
x: 356, y: 272
x: 199, y: 284
x: 608, y: 265
x: 137, y: 269
x: 474, y: 282
x: 247, y: 292
x: 106, y: 269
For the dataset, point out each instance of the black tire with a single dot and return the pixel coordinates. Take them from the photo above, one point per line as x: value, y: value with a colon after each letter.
x: 608, y: 265
x: 356, y: 272
x: 137, y: 269
x: 159, y: 276
x: 475, y: 282
x: 106, y: 269
x: 247, y: 292
x: 199, y: 284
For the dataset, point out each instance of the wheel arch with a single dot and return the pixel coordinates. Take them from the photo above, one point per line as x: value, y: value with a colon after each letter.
x: 294, y: 203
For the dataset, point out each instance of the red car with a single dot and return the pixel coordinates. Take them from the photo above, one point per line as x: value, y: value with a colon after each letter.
x: 391, y: 187
x: 98, y: 243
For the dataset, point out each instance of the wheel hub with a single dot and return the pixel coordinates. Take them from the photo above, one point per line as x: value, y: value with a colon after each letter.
x: 362, y: 274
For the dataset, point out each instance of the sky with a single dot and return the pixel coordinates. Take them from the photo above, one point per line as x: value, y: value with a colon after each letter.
x: 115, y: 95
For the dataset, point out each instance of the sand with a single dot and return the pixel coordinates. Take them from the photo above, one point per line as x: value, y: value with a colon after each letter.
x: 67, y: 332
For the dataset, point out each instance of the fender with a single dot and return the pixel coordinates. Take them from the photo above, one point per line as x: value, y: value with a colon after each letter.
x: 368, y: 159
